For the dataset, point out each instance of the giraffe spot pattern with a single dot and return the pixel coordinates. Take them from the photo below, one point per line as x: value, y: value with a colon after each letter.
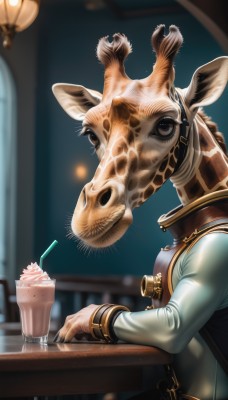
x: 134, y: 122
x: 132, y: 184
x: 163, y: 165
x: 194, y: 188
x: 121, y: 165
x: 120, y: 148
x: 106, y: 124
x: 122, y: 111
x: 206, y: 144
x: 148, y: 192
x: 176, y: 152
x: 144, y: 163
x: 168, y: 173
x: 130, y: 137
x: 144, y: 181
x: 214, y: 171
x: 172, y: 161
x: 134, y: 196
x: 140, y: 148
x: 105, y: 134
x: 133, y: 164
x: 158, y: 180
x: 110, y: 170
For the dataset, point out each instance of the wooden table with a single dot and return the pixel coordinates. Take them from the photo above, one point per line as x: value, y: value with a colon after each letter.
x: 74, y: 368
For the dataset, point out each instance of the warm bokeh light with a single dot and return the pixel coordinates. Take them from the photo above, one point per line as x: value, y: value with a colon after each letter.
x: 14, y: 3
x: 81, y: 172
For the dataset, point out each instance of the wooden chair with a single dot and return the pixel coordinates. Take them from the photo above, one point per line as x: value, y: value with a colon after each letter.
x: 6, y: 310
x: 74, y: 292
x: 10, y: 324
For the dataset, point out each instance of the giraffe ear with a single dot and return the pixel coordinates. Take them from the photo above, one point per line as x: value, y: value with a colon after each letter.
x: 76, y: 100
x: 207, y: 84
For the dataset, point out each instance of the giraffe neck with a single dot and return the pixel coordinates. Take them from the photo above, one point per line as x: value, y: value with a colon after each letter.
x: 205, y: 168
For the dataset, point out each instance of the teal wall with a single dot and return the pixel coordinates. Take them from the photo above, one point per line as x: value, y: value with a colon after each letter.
x: 68, y: 40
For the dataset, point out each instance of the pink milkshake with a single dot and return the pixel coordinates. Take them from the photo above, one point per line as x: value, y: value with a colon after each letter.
x: 35, y: 296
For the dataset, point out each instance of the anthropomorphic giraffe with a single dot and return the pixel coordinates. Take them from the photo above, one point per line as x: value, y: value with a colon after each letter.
x: 145, y: 132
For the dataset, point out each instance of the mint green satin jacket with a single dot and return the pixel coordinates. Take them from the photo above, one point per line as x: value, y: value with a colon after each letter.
x: 200, y: 282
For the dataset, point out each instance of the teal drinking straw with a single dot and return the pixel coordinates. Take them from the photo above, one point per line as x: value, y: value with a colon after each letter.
x: 51, y: 247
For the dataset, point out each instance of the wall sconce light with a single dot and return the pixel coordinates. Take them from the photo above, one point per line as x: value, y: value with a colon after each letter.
x: 80, y: 172
x: 15, y: 16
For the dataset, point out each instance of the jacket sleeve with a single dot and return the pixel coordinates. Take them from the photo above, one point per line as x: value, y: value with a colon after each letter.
x: 200, y: 287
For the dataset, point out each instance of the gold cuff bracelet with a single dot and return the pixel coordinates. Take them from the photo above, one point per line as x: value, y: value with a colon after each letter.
x: 100, y: 323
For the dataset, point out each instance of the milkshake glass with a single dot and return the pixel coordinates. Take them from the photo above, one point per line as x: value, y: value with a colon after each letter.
x: 35, y: 293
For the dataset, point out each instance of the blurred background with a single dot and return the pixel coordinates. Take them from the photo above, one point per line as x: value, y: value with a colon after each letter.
x: 41, y: 155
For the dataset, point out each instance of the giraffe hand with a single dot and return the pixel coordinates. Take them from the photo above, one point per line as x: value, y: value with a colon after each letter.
x: 76, y: 325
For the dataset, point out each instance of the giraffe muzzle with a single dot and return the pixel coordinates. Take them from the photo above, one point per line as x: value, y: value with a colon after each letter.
x: 101, y: 215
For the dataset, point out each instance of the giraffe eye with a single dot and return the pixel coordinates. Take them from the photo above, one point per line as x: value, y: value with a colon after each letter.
x: 165, y: 128
x: 92, y: 138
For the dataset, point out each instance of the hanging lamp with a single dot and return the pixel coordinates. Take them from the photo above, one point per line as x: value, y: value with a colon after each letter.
x: 15, y: 16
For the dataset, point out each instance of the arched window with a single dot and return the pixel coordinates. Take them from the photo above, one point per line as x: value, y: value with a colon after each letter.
x: 7, y: 170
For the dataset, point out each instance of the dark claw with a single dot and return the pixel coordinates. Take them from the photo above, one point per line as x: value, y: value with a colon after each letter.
x: 58, y: 338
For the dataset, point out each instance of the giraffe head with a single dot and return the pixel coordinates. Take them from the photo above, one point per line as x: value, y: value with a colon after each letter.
x: 134, y: 126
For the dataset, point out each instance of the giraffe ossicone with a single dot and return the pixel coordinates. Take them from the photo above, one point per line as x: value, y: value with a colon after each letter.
x: 136, y: 129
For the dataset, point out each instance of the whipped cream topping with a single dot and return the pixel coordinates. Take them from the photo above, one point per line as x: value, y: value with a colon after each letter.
x: 34, y: 273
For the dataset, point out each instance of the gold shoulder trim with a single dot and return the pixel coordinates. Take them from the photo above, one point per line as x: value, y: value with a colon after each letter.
x: 166, y: 220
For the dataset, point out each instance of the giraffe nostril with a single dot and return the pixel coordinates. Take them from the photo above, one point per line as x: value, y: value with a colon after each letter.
x: 105, y: 197
x: 84, y: 197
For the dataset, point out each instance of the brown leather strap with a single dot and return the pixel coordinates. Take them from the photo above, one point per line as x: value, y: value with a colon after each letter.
x: 165, y: 258
x: 215, y: 213
x: 165, y: 263
x: 168, y: 256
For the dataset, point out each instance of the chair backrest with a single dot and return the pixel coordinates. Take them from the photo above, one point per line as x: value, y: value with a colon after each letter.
x: 74, y: 292
x: 6, y: 299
